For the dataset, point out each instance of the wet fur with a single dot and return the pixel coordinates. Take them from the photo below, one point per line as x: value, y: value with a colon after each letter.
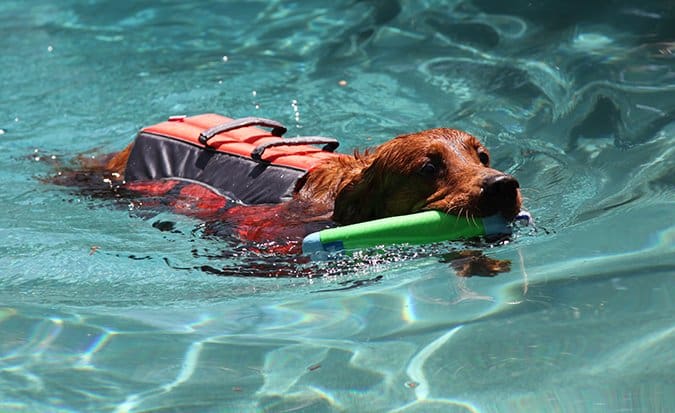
x: 391, y: 180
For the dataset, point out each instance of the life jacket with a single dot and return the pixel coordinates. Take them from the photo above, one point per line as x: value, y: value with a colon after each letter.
x: 208, y: 165
x: 232, y: 158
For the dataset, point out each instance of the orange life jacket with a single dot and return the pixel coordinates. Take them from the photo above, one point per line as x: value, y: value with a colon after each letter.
x: 233, y: 158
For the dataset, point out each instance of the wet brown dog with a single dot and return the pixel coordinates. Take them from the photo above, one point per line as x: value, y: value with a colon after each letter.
x: 438, y: 169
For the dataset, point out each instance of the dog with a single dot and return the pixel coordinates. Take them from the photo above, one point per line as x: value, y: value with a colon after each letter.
x: 438, y: 169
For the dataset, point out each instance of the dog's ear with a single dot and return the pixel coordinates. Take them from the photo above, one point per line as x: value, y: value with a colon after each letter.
x: 358, y: 200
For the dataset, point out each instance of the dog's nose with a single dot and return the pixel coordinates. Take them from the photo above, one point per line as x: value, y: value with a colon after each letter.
x: 500, y: 187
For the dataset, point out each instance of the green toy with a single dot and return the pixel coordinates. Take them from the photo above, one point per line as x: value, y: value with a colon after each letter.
x: 419, y: 228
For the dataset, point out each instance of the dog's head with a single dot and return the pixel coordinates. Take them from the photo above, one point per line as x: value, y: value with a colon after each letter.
x: 438, y: 169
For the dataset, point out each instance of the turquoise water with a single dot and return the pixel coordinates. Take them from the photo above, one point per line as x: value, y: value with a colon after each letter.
x: 102, y: 312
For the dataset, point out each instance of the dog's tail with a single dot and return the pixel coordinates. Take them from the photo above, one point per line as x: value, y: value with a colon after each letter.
x: 94, y: 175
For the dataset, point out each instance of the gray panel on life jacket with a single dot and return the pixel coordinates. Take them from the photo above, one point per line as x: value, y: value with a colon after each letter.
x: 156, y: 157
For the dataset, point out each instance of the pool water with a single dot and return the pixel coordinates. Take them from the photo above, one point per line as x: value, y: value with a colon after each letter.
x: 100, y: 310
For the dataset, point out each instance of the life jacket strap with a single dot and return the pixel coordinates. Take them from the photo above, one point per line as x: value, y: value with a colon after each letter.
x: 330, y: 144
x: 277, y: 128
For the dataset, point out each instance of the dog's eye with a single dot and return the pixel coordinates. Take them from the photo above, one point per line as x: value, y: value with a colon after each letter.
x: 483, y: 157
x: 428, y: 169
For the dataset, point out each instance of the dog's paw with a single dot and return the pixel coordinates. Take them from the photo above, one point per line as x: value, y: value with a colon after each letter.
x: 470, y: 263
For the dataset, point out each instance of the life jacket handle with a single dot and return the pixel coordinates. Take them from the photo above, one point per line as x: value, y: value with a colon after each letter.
x: 330, y: 144
x: 277, y: 128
